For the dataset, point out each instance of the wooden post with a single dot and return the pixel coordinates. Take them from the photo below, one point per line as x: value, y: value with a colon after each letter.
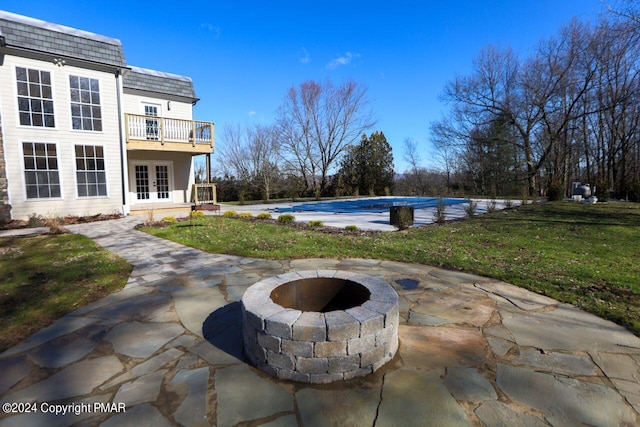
x: 161, y: 130
x: 126, y: 128
x: 208, y: 161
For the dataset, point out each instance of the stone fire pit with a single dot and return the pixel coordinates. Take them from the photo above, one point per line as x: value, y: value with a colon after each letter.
x: 320, y: 326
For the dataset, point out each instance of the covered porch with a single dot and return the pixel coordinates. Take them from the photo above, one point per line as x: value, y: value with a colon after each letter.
x: 161, y: 181
x: 160, y: 164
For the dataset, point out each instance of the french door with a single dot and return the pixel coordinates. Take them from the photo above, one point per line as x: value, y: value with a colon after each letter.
x: 152, y: 125
x: 151, y: 182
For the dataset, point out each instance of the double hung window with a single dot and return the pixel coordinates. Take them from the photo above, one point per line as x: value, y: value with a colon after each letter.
x: 35, y: 97
x: 91, y: 175
x: 86, y: 113
x: 41, y: 170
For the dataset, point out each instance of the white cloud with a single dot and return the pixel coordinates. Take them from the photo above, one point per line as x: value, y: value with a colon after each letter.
x: 305, y: 57
x: 252, y: 113
x: 215, y: 29
x: 342, y: 60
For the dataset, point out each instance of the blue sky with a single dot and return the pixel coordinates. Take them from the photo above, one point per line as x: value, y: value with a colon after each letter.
x: 244, y: 55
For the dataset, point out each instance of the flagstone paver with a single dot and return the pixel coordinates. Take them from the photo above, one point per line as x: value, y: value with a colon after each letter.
x: 473, y: 351
x: 467, y: 384
x: 193, y: 410
x: 143, y: 389
x: 347, y: 406
x: 13, y: 371
x: 498, y: 414
x: 567, y: 400
x: 141, y: 340
x: 417, y: 398
x: 244, y: 395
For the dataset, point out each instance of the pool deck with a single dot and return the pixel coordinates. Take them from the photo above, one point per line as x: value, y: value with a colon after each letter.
x: 363, y: 220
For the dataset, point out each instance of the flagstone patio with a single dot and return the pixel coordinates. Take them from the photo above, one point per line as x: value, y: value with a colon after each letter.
x: 473, y: 351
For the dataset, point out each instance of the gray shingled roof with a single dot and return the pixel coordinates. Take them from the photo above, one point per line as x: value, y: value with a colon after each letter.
x: 159, y: 82
x: 36, y: 35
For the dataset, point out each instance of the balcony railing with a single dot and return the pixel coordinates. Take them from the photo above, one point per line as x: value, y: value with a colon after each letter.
x: 165, y: 130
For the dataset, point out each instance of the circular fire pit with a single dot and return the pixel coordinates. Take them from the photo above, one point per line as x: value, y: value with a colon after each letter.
x: 320, y: 326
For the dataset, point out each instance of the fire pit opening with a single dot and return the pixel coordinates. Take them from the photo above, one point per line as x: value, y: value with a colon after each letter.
x: 320, y: 326
x: 320, y: 294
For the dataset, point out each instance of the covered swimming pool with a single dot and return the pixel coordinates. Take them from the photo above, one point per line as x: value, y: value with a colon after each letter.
x: 370, y: 205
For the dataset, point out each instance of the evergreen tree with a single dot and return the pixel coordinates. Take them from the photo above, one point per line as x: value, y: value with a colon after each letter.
x: 367, y: 167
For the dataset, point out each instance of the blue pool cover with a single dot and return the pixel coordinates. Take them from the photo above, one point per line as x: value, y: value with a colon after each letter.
x: 377, y: 205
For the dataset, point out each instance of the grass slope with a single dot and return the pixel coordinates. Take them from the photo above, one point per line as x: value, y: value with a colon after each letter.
x: 45, y: 277
x: 585, y: 255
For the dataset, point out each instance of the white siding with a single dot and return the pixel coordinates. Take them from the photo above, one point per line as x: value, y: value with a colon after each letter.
x: 134, y: 104
x: 181, y: 163
x: 65, y: 137
x: 182, y: 166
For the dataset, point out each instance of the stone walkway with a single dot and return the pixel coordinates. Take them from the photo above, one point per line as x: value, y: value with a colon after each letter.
x: 167, y: 350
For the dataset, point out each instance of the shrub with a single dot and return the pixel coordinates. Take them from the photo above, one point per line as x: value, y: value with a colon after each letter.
x: 634, y: 195
x: 401, y: 217
x: 286, y: 219
x: 440, y: 212
x: 197, y: 214
x: 315, y: 223
x: 555, y: 192
x: 35, y: 220
x: 264, y: 215
x: 602, y: 191
x: 351, y: 228
x: 492, y: 205
x: 245, y: 215
x: 229, y: 214
x: 151, y: 218
x: 508, y: 203
x: 170, y: 219
x: 470, y: 208
x: 55, y: 224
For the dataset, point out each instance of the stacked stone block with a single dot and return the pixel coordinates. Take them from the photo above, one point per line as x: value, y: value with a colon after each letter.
x: 313, y: 347
x: 5, y: 207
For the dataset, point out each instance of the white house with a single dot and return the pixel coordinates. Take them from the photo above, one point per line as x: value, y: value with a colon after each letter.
x: 83, y: 133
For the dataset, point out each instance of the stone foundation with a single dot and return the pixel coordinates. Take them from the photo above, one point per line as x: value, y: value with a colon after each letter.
x: 5, y: 207
x: 316, y: 346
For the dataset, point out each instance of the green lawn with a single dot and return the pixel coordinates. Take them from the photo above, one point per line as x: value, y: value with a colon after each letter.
x: 581, y: 254
x: 45, y: 277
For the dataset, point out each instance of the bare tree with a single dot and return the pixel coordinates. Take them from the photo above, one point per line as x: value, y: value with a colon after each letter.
x: 492, y: 92
x: 625, y: 9
x: 317, y: 122
x: 251, y: 155
x: 418, y: 173
x: 571, y: 111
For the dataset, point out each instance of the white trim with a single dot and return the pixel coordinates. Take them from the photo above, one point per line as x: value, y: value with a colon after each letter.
x: 151, y: 164
x: 68, y: 99
x: 150, y: 104
x: 75, y: 171
x: 22, y: 171
x: 124, y: 154
x: 14, y: 78
x: 147, y: 71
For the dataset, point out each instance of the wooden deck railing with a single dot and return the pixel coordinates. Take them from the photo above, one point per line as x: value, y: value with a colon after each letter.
x: 204, y: 194
x: 162, y: 129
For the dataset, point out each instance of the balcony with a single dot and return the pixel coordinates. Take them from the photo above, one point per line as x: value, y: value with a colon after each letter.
x: 164, y: 134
